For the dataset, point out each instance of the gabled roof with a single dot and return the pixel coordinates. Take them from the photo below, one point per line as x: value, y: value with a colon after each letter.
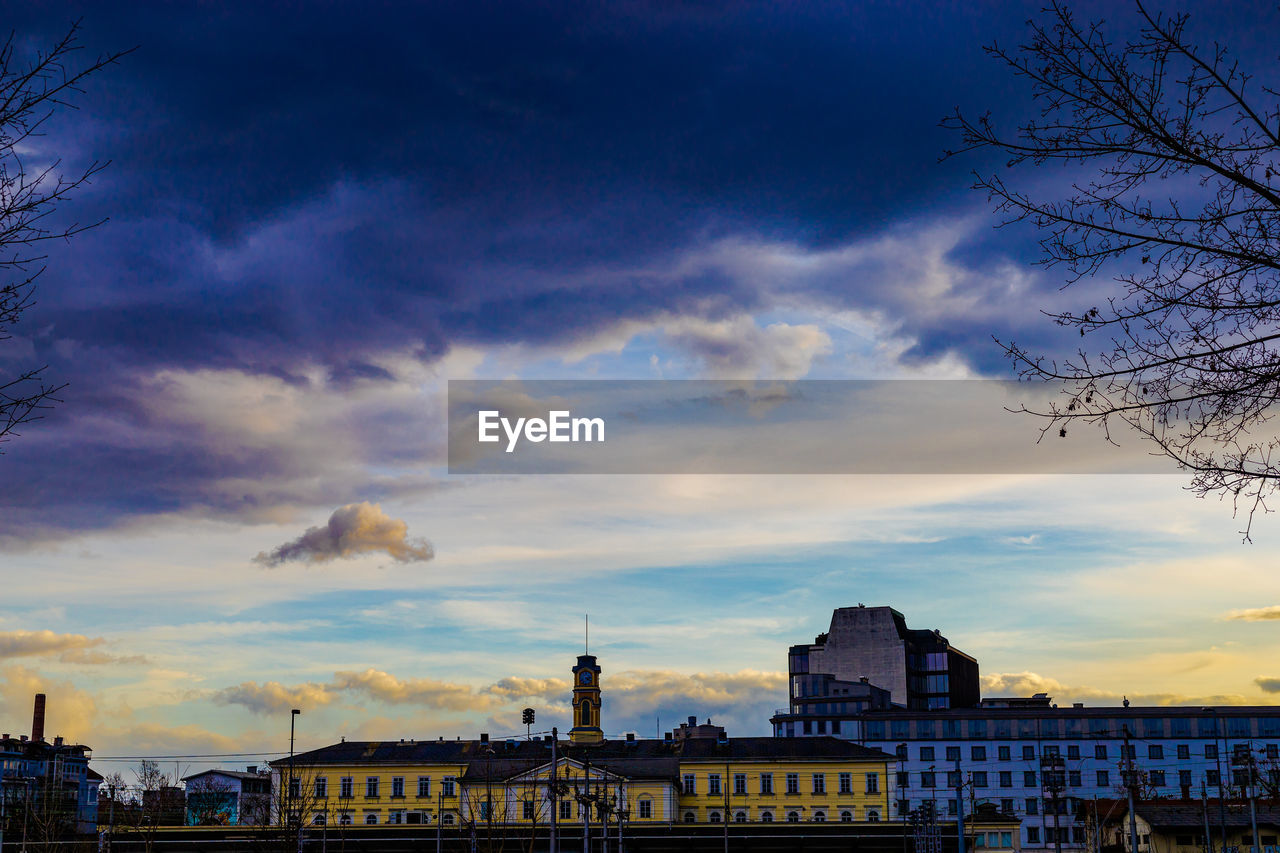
x: 231, y: 774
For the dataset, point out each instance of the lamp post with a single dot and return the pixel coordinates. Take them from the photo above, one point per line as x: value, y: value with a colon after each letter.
x: 293, y: 715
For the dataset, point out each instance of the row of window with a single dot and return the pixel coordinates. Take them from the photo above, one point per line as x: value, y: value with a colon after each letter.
x: 1075, y: 778
x: 1154, y: 751
x: 1072, y: 727
x: 372, y: 787
x: 817, y: 781
x: 766, y: 816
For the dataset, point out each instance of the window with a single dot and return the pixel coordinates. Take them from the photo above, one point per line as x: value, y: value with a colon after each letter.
x: 926, y: 753
x: 873, y: 783
x: 819, y: 816
x: 1184, y: 778
x: 713, y: 784
x: 979, y: 779
x: 424, y: 786
x: 318, y: 820
x: 1002, y: 753
x: 447, y: 818
x: 1273, y: 751
x: 928, y: 779
x: 447, y: 786
x: 646, y: 808
x: 793, y: 817
x: 396, y: 817
x: 322, y: 788
x: 528, y: 809
x: 978, y: 753
x: 953, y: 778
x: 1006, y: 779
x: 1184, y: 752
x: 1157, y: 778
x: 846, y: 816
x: 819, y: 783
x: 1155, y: 751
x: 397, y: 786
x: 1033, y: 835
x: 1006, y: 806
x: 766, y: 783
x: 1028, y: 778
x: 1100, y: 751
x: 873, y: 816
x: 1073, y: 778
x: 371, y: 818
x: 904, y: 779
x: 1033, y: 806
x: 739, y: 783
x: 345, y: 819
x: 714, y: 817
x: 566, y: 811
x: 1052, y: 751
x: 370, y: 790
x: 953, y: 753
x: 739, y: 817
x: 1104, y: 778
x: 1028, y: 753
x: 766, y: 817
x: 793, y: 783
x: 344, y: 788
x: 902, y: 752
x: 1073, y: 752
x: 295, y: 787
x: 951, y: 808
x: 846, y: 783
x: 689, y: 785
x: 1210, y: 750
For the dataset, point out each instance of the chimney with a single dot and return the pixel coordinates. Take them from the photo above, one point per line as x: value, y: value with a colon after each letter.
x: 37, y: 719
x: 484, y: 737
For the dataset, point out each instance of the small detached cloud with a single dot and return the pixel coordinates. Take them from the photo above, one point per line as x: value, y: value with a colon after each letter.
x: 352, y: 530
x: 1268, y: 684
x: 1256, y: 614
x: 15, y: 644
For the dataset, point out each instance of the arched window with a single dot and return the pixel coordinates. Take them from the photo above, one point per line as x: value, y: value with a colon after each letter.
x: 714, y: 817
x: 689, y: 817
x: 793, y: 817
x: 739, y: 817
x: 873, y: 816
x: 819, y: 816
x: 447, y: 818
x: 766, y: 817
x: 371, y: 819
x: 318, y: 820
x: 846, y: 816
x: 345, y: 820
x: 585, y: 711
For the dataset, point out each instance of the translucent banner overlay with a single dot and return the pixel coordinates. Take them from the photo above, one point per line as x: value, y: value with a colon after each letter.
x: 773, y: 427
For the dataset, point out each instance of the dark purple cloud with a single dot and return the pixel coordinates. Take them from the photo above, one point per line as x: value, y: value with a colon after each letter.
x: 295, y: 186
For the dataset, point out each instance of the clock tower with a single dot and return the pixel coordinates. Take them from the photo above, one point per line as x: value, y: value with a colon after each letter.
x: 586, y: 702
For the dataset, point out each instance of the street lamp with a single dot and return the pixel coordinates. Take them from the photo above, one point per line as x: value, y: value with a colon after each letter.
x: 293, y: 715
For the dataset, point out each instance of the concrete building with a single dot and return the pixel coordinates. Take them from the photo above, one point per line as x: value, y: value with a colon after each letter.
x: 228, y: 798
x: 918, y: 669
x: 1025, y: 755
x: 46, y: 785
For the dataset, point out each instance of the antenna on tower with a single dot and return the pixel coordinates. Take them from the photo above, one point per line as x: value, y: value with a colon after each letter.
x: 586, y: 633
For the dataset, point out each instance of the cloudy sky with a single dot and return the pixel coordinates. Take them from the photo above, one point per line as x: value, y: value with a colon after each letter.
x: 319, y: 217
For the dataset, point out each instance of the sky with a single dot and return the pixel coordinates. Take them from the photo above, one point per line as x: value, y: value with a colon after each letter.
x: 320, y: 215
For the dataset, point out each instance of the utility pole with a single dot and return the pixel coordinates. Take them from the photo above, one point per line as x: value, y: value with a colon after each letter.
x: 1129, y: 785
x: 1256, y: 845
x: 553, y: 791
x: 726, y: 807
x: 1222, y: 795
x: 440, y: 817
x: 959, y: 809
x: 1052, y: 769
x: 1204, y: 808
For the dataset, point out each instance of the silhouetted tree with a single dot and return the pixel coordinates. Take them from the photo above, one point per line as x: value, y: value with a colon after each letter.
x: 1176, y: 160
x: 31, y: 189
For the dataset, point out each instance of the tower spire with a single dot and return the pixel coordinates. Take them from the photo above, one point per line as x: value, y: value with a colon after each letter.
x: 586, y: 633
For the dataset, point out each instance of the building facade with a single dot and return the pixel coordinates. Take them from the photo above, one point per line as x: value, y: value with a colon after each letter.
x: 228, y: 798
x: 1026, y: 755
x: 46, y: 784
x: 695, y: 774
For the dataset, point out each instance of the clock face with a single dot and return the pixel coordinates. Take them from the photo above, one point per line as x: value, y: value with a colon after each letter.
x: 585, y: 676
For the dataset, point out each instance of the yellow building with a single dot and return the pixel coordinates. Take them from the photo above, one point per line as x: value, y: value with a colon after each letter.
x: 695, y: 774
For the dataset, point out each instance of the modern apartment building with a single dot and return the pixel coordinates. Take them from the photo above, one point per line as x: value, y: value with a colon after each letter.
x: 1025, y: 755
